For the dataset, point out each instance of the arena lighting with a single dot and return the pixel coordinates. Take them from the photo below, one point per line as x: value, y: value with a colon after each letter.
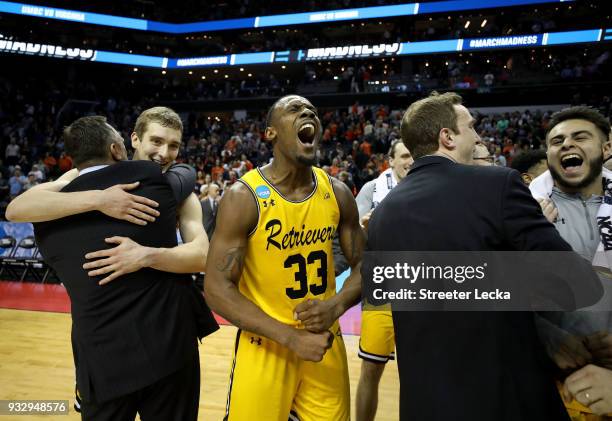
x: 467, y: 25
x: 406, y: 9
x: 484, y: 22
x: 313, y: 54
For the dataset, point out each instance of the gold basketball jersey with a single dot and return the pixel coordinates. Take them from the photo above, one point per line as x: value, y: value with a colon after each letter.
x: 289, y: 254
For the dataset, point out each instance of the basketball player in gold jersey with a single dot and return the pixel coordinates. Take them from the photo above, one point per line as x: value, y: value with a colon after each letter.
x: 271, y: 273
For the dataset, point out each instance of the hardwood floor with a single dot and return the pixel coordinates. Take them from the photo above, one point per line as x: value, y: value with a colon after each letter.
x: 36, y: 363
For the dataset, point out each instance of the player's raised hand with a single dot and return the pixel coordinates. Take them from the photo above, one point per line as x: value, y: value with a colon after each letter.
x: 310, y: 346
x: 116, y: 202
x: 316, y: 315
x: 127, y: 257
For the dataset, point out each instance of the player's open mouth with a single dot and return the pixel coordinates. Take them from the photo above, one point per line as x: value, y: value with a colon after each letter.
x: 572, y: 164
x: 306, y: 133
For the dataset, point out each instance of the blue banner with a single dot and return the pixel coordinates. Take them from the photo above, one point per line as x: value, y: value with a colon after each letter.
x: 342, y: 52
x: 406, y: 9
x: 502, y: 42
x: 573, y: 37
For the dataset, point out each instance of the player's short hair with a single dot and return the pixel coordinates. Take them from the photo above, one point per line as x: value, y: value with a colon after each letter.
x: 270, y: 114
x: 422, y: 122
x: 524, y: 161
x: 581, y: 112
x: 163, y: 116
x: 88, y: 139
x: 393, y: 147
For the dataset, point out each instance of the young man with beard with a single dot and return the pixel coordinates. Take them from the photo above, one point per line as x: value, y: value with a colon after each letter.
x: 377, y: 341
x: 574, y: 195
x: 271, y: 273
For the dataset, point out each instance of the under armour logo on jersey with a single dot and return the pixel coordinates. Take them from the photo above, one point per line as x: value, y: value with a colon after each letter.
x: 265, y: 203
x: 255, y: 341
x: 326, y: 196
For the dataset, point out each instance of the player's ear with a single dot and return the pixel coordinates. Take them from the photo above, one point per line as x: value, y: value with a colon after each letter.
x: 135, y: 140
x: 270, y: 134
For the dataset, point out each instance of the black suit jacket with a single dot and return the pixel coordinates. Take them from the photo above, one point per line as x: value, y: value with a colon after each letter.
x: 209, y: 217
x: 142, y: 326
x: 467, y: 366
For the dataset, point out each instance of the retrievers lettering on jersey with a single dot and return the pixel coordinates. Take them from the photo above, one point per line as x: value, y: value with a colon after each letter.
x: 289, y: 254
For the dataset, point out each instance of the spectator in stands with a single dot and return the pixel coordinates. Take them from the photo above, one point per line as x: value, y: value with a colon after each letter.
x: 31, y: 181
x: 210, y: 205
x: 17, y: 182
x: 50, y: 162
x: 38, y: 173
x: 344, y: 176
x: 530, y: 164
x: 4, y: 170
x: 12, y: 152
x: 233, y: 177
x: 64, y: 163
x: 217, y: 170
x: 499, y: 159
x: 502, y: 124
x: 4, y: 188
x: 199, y: 181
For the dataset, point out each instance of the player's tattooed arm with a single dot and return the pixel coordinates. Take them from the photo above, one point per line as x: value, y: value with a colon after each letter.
x: 231, y: 263
x: 237, y: 216
x: 319, y: 315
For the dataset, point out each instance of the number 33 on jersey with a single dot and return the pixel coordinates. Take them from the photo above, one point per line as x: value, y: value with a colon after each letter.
x: 289, y: 255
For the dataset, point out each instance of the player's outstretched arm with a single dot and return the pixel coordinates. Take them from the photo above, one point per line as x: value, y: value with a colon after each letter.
x: 319, y: 315
x: 45, y: 202
x: 237, y: 216
x: 128, y: 256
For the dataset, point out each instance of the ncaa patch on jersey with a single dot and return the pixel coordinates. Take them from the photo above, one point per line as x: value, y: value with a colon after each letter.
x: 263, y: 192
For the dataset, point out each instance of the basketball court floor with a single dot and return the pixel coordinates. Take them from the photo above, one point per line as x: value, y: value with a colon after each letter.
x: 36, y: 356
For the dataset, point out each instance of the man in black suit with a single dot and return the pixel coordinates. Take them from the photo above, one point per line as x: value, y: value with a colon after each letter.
x: 464, y: 365
x: 209, y: 209
x: 135, y: 339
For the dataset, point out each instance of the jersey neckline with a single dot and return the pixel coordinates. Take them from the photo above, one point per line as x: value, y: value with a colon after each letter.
x: 314, y: 176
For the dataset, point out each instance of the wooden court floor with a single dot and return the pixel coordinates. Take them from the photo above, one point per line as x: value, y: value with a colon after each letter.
x: 36, y: 363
